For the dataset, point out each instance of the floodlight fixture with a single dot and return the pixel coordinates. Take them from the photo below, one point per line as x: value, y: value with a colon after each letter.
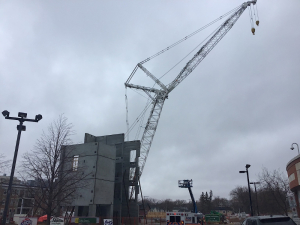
x: 292, y: 148
x: 5, y: 113
x: 22, y: 115
x: 38, y: 117
x: 254, y: 182
x: 248, y: 165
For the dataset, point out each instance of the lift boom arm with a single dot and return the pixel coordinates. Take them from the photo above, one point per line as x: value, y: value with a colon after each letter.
x: 189, y: 184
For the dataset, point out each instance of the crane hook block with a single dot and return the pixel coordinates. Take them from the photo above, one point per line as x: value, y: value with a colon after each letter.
x: 257, y: 22
x: 253, y: 30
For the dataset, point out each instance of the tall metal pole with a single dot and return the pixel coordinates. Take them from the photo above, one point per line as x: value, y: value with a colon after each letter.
x: 251, y: 209
x: 256, y: 198
x: 21, y: 118
x: 8, y: 193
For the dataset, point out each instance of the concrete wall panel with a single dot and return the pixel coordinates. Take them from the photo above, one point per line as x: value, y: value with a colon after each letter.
x: 104, y: 192
x: 107, y: 151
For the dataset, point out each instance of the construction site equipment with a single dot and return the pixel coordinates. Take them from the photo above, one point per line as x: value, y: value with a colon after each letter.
x: 183, y: 218
x: 158, y: 96
x: 189, y: 184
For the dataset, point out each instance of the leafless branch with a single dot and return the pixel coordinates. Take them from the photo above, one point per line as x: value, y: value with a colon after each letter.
x: 53, y: 186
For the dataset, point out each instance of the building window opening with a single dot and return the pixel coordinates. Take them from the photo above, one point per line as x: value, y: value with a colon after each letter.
x: 131, y: 173
x: 132, y: 161
x: 132, y: 155
x: 75, y: 162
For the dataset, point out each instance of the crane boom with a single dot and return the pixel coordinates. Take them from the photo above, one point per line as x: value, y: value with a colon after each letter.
x: 150, y: 129
x: 160, y: 95
x: 209, y: 45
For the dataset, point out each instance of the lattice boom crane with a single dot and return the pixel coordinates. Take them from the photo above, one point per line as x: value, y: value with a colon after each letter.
x: 160, y: 95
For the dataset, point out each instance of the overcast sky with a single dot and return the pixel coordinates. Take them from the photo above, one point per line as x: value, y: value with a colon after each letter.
x: 239, y: 106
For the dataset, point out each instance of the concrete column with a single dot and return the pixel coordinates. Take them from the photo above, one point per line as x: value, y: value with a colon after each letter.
x: 111, y: 211
x: 76, y: 211
x: 92, y: 210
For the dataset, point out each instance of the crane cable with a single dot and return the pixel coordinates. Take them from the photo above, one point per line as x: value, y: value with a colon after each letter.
x: 127, y: 122
x: 141, y: 123
x: 257, y: 12
x: 141, y: 116
x: 188, y: 54
x: 181, y: 40
x: 255, y: 17
x: 137, y: 119
x: 190, y: 35
x: 250, y: 16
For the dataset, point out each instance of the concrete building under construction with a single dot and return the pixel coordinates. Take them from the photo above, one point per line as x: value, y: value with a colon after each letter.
x: 108, y: 161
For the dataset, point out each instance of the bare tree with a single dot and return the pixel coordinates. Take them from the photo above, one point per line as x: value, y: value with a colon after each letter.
x: 240, y: 199
x: 4, y: 164
x: 52, y: 185
x: 273, y: 192
x: 220, y: 202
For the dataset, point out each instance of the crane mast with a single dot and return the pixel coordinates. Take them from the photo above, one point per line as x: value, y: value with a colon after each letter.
x: 160, y: 95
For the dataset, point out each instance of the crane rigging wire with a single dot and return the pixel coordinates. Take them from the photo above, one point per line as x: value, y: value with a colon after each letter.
x: 141, y: 122
x: 181, y: 40
x: 188, y: 53
x: 188, y: 36
x: 140, y: 118
x: 257, y: 11
x: 127, y: 122
x: 250, y: 15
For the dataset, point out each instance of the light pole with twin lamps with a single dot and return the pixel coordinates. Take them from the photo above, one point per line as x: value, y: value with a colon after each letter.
x: 21, y: 118
x: 247, y: 166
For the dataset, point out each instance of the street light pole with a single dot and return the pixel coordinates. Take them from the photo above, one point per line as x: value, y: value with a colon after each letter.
x: 292, y: 148
x: 251, y: 209
x: 256, y: 195
x: 21, y: 118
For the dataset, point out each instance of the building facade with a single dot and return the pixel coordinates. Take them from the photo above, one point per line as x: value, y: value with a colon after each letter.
x: 107, y: 161
x: 293, y: 171
x: 21, y: 200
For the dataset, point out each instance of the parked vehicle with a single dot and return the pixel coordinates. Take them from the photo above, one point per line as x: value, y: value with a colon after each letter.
x: 183, y: 218
x: 268, y: 220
